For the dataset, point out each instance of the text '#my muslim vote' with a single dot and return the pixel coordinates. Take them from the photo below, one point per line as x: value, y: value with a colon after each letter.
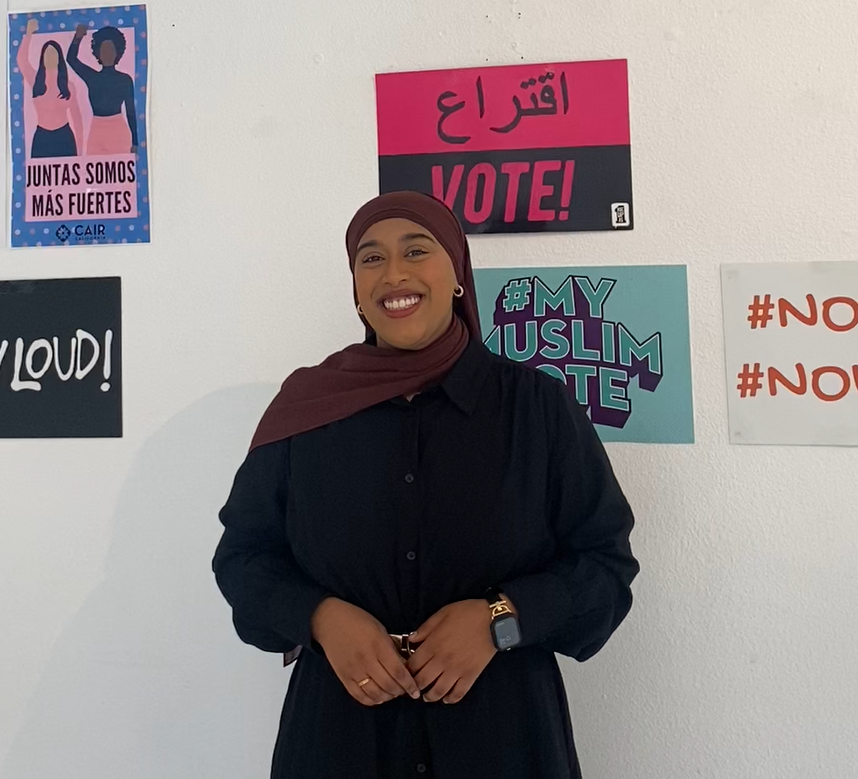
x: 616, y: 337
x: 566, y: 333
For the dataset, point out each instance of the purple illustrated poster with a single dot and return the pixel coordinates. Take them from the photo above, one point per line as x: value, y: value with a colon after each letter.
x: 77, y: 120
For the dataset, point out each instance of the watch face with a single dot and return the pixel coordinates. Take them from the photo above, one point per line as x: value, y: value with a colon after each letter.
x: 506, y: 632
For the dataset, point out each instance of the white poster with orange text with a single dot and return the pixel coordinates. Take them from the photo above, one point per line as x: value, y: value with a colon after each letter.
x: 791, y: 341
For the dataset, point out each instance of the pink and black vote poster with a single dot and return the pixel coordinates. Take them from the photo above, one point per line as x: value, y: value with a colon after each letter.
x: 77, y: 119
x: 512, y: 149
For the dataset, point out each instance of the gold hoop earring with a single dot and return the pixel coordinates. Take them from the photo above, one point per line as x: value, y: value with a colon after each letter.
x: 459, y: 291
x: 359, y: 310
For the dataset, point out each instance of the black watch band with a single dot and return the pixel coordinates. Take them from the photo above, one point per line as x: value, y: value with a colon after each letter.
x: 493, y: 595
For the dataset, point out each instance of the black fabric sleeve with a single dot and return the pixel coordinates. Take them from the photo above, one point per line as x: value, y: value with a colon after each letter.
x: 574, y: 605
x: 84, y: 71
x: 272, y: 598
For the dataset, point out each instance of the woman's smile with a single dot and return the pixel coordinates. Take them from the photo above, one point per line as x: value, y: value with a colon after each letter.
x: 402, y: 304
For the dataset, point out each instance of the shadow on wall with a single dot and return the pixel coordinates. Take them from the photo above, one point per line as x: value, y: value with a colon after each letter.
x: 148, y: 680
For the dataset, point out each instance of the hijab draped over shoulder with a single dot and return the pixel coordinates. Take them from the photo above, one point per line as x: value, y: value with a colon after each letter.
x: 363, y: 375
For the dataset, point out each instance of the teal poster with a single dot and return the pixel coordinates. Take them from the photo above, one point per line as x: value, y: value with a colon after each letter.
x: 617, y: 336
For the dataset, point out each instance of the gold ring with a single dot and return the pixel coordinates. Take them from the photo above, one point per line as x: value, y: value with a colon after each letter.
x: 365, y: 681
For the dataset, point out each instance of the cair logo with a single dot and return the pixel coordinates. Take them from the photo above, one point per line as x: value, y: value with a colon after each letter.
x: 82, y: 233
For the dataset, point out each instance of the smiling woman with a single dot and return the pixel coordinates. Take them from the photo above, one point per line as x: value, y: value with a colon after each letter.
x: 421, y: 521
x: 405, y: 283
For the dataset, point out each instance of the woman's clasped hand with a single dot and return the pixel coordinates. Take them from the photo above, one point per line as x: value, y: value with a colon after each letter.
x: 454, y: 648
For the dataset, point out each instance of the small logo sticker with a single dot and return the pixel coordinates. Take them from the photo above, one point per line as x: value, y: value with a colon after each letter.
x: 63, y: 233
x: 620, y: 215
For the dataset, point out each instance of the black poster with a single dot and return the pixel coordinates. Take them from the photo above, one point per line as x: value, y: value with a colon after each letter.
x: 61, y: 358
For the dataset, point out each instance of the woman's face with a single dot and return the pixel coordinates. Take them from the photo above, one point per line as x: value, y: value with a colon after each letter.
x: 51, y: 58
x: 404, y: 281
x: 107, y: 54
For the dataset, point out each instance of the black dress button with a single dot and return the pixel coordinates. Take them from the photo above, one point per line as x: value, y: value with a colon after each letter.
x: 411, y: 556
x: 409, y: 478
x: 421, y: 768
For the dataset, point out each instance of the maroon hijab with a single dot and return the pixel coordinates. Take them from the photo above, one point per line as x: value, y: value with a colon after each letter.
x: 362, y: 375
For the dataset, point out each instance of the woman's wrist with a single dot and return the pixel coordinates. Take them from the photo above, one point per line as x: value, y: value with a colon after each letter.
x: 322, y: 620
x: 317, y: 621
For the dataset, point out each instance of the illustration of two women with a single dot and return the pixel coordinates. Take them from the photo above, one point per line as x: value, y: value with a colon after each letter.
x: 59, y: 131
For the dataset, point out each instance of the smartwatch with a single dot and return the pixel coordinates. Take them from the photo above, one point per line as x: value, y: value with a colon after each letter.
x: 505, y: 630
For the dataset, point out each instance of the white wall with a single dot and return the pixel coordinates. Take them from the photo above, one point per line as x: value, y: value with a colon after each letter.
x: 739, y: 659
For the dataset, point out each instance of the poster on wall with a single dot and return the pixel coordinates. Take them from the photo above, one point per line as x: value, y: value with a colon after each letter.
x: 77, y: 117
x: 791, y: 344
x: 512, y: 149
x: 617, y: 337
x: 61, y: 358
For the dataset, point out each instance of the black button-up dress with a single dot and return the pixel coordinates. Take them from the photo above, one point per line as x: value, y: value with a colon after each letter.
x: 494, y: 478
